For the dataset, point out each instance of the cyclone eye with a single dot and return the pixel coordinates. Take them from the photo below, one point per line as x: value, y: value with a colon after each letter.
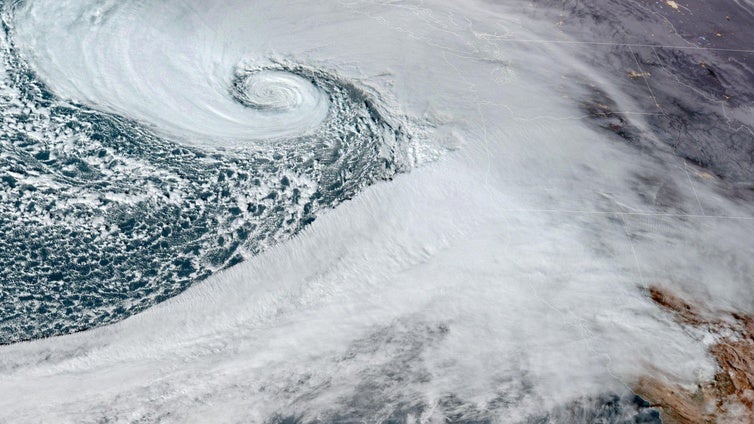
x: 275, y: 91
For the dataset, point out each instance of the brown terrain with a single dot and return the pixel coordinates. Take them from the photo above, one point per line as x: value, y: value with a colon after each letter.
x: 729, y: 397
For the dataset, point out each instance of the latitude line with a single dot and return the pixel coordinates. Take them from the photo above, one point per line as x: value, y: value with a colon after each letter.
x: 658, y: 214
x: 609, y: 43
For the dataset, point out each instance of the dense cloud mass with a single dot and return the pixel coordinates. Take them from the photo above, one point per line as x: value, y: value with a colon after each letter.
x: 287, y: 211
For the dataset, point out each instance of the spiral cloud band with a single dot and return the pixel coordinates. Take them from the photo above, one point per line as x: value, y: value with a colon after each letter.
x: 130, y: 217
x: 176, y: 78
